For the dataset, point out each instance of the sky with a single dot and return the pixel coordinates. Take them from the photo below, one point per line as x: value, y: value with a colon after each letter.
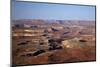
x: 47, y: 11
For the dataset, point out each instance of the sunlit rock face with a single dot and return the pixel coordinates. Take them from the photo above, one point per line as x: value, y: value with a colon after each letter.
x: 66, y: 44
x: 72, y: 43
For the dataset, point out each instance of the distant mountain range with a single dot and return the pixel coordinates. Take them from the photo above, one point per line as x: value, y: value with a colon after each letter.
x: 53, y: 22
